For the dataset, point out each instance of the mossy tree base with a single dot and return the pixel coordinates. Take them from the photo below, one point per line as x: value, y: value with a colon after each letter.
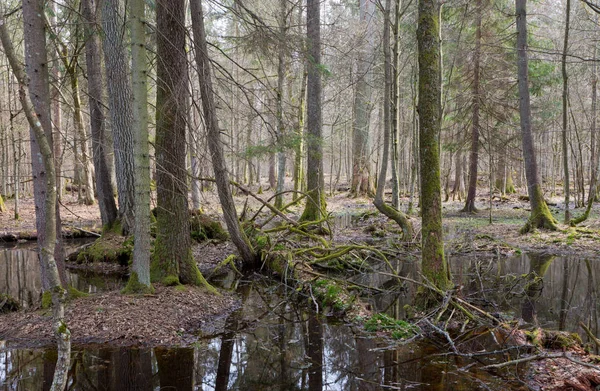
x: 540, y: 219
x: 134, y: 286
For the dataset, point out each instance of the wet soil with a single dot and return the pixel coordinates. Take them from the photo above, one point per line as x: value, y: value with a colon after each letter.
x: 172, y: 316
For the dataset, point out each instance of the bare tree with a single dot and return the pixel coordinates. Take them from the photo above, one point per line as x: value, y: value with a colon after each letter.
x: 120, y: 106
x: 36, y: 80
x: 434, y: 263
x: 540, y: 214
x: 106, y: 199
x: 139, y: 280
x: 315, y: 204
x: 238, y: 236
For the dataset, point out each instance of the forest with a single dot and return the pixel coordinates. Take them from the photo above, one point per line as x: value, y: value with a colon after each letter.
x: 299, y: 195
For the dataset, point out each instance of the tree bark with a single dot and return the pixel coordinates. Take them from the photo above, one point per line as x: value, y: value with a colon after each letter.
x: 540, y: 214
x: 120, y: 107
x: 392, y: 213
x: 172, y: 259
x: 139, y: 280
x: 315, y: 204
x: 476, y: 99
x: 39, y: 120
x: 106, y: 199
x: 565, y: 114
x: 281, y: 69
x: 362, y: 184
x: 435, y: 268
x: 238, y: 237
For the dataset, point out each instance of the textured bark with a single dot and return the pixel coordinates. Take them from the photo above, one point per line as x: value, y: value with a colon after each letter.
x: 565, y: 114
x: 238, y: 237
x: 82, y: 144
x: 315, y: 204
x: 435, y: 268
x: 106, y: 199
x: 120, y: 107
x: 394, y: 214
x: 281, y: 69
x: 395, y: 115
x: 362, y: 184
x: 172, y: 249
x: 38, y: 116
x: 140, y: 275
x: 36, y: 63
x: 540, y: 214
x: 476, y: 99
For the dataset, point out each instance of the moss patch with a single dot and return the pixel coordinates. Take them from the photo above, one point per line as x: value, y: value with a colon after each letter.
x: 110, y: 247
x: 202, y: 227
x: 134, y: 286
x: 331, y: 294
x: 398, y: 329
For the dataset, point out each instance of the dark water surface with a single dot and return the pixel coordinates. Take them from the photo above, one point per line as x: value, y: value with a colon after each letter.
x: 270, y: 344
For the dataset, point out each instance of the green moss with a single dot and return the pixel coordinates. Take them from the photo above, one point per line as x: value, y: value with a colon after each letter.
x: 75, y: 293
x: 202, y: 227
x: 110, y: 247
x: 134, y: 286
x: 62, y: 329
x: 170, y: 280
x: 180, y: 288
x: 46, y: 300
x: 398, y: 329
x: 331, y: 294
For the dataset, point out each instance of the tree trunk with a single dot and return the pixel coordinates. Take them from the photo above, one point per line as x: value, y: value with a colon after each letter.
x: 565, y: 115
x: 38, y: 116
x: 172, y: 259
x: 139, y: 280
x: 238, y: 237
x: 120, y: 107
x: 281, y: 69
x: 315, y: 204
x: 435, y: 268
x: 474, y: 156
x: 540, y: 214
x: 362, y: 184
x: 392, y: 213
x: 106, y: 199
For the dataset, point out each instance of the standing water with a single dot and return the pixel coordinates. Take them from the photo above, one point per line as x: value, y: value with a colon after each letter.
x: 272, y: 344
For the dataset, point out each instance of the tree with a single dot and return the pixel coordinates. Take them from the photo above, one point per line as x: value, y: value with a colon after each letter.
x: 38, y: 115
x: 106, y: 199
x: 476, y: 101
x: 362, y: 183
x: 540, y: 214
x: 565, y: 114
x: 399, y: 217
x: 209, y: 110
x: 172, y: 259
x: 315, y: 204
x: 281, y: 69
x: 139, y: 280
x: 434, y: 264
x: 120, y: 107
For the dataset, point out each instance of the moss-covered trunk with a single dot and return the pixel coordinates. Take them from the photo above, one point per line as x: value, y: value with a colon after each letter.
x: 540, y: 214
x: 434, y: 263
x: 172, y: 259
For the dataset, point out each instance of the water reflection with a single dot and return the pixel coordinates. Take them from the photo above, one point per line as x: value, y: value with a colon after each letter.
x: 20, y: 276
x: 270, y: 344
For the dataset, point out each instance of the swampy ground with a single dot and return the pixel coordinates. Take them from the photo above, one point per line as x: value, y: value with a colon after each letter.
x: 543, y: 279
